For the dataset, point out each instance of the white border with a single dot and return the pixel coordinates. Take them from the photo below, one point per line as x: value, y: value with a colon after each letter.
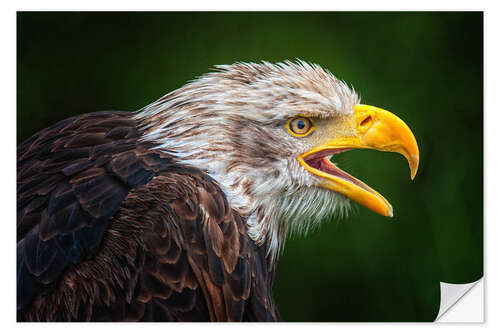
x: 8, y: 139
x: 254, y: 5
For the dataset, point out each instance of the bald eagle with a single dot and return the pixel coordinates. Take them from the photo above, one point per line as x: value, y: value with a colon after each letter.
x: 178, y: 212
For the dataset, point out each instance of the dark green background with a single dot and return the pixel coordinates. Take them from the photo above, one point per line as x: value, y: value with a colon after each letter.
x: 425, y: 67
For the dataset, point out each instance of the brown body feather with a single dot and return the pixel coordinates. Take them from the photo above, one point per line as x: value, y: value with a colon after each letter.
x: 110, y: 229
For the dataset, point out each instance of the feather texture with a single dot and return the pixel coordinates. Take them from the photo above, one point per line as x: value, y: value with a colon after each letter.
x: 111, y: 229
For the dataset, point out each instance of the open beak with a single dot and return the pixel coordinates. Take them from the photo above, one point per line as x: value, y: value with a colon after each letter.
x: 376, y: 129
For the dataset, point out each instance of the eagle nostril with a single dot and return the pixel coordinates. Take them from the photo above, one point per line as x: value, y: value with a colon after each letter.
x: 366, y: 123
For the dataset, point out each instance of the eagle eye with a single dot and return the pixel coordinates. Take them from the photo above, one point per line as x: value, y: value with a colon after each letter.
x: 300, y: 126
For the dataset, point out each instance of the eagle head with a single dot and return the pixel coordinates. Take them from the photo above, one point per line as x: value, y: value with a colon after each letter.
x: 267, y: 133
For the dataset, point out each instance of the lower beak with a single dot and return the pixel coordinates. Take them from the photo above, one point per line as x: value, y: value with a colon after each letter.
x: 376, y: 129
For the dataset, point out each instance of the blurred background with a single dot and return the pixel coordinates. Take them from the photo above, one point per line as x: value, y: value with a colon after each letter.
x: 425, y: 67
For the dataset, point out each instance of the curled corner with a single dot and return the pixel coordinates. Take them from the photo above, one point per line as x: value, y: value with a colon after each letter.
x: 457, y: 306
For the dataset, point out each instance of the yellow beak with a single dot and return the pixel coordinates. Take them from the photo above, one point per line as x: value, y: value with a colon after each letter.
x: 376, y: 129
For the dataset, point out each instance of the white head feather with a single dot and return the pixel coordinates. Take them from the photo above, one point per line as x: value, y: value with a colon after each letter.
x: 231, y: 123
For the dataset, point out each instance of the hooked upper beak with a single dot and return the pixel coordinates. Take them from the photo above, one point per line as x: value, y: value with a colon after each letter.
x: 377, y: 129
